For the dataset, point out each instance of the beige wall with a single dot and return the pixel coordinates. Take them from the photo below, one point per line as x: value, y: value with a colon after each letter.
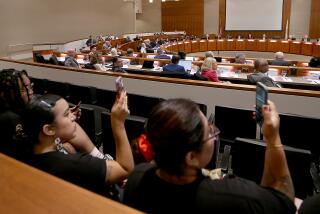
x: 42, y: 21
x: 300, y: 17
x: 211, y: 16
x: 150, y: 18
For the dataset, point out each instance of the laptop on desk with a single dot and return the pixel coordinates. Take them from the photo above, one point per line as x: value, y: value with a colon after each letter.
x: 147, y: 64
x: 187, y: 64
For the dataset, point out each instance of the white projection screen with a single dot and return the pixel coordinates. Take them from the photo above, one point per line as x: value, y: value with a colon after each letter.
x: 254, y: 15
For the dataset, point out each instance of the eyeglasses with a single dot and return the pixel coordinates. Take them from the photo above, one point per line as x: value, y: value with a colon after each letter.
x: 213, y: 132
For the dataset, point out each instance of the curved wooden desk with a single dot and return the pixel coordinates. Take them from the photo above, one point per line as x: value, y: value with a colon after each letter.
x: 25, y: 189
x: 286, y: 46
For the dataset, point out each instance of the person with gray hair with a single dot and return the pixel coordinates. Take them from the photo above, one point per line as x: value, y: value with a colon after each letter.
x: 260, y: 75
x: 161, y: 55
x: 240, y: 58
x: 209, y: 69
x: 209, y: 54
x: 114, y: 52
x: 279, y: 59
x: 70, y: 61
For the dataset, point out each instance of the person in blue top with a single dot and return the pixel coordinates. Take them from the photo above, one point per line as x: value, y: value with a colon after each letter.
x: 173, y: 66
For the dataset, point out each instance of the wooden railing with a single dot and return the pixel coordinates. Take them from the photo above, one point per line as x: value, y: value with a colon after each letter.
x: 25, y: 189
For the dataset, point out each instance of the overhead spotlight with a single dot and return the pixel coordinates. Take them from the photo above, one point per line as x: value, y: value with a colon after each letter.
x: 150, y: 1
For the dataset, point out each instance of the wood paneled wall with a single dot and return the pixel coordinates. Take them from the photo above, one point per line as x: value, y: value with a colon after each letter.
x: 315, y: 19
x: 255, y: 34
x: 184, y: 15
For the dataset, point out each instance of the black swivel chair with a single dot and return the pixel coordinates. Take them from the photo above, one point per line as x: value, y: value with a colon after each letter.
x: 235, y: 122
x: 140, y: 105
x: 134, y: 128
x: 248, y: 162
x: 90, y: 121
x: 40, y: 86
x: 86, y: 94
x: 59, y: 88
x: 300, y: 132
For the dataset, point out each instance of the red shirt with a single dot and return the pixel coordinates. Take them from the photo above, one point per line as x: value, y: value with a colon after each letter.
x: 211, y: 75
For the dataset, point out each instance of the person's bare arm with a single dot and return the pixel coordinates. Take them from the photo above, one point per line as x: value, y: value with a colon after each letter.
x: 276, y: 172
x: 81, y: 141
x: 119, y: 169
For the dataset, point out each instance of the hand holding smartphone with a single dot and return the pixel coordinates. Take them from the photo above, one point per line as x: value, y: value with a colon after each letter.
x: 76, y: 110
x: 261, y: 99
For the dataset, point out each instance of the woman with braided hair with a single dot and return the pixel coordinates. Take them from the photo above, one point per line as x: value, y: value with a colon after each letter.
x: 16, y: 90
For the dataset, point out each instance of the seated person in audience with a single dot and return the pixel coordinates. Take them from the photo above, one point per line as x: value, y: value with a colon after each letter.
x: 183, y: 142
x: 95, y: 59
x: 143, y: 48
x: 107, y: 45
x: 260, y: 75
x: 208, y: 54
x: 174, y: 67
x: 117, y: 65
x: 310, y: 205
x: 147, y: 42
x: 279, y: 59
x: 314, y: 62
x: 209, y: 69
x: 137, y: 38
x: 114, y: 52
x: 182, y: 55
x: 128, y: 39
x: 153, y: 43
x: 48, y: 117
x: 90, y: 41
x: 130, y: 52
x: 17, y: 92
x: 240, y: 58
x: 161, y: 55
x: 39, y: 58
x: 70, y: 60
x: 100, y: 39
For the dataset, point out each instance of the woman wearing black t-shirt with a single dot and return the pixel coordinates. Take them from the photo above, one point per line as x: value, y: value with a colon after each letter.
x: 183, y: 143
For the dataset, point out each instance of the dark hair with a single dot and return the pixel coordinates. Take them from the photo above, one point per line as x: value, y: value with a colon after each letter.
x: 10, y: 95
x: 314, y: 62
x: 175, y: 59
x: 182, y: 55
x: 92, y: 46
x: 38, y: 112
x: 129, y: 51
x: 174, y: 128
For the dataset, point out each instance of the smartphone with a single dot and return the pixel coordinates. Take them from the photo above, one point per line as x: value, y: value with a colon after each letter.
x: 76, y: 107
x: 261, y: 99
x: 119, y: 85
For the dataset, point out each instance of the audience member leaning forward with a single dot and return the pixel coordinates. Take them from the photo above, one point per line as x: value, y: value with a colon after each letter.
x: 183, y: 142
x: 260, y: 75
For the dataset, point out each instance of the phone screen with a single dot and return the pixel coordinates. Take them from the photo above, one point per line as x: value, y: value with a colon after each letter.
x: 261, y: 99
x: 119, y: 85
